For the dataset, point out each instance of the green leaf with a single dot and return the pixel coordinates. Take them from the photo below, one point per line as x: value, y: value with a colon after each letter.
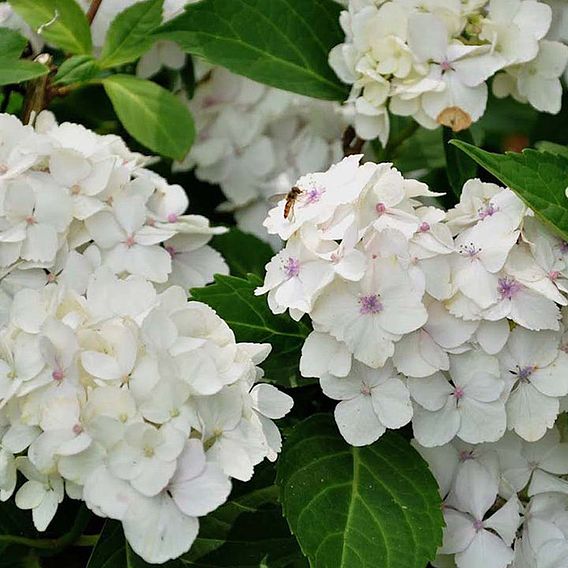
x: 283, y: 43
x: 129, y: 35
x: 553, y: 148
x: 252, y: 321
x: 248, y: 531
x: 358, y: 507
x: 76, y: 69
x: 538, y: 178
x: 61, y: 22
x: 18, y: 70
x: 152, y: 115
x: 421, y: 152
x: 245, y: 253
x: 459, y: 167
x: 11, y: 43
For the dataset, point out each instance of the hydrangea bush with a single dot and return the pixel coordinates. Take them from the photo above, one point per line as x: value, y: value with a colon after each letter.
x: 351, y: 350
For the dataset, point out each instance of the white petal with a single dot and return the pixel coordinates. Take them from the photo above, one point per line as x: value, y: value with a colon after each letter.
x: 357, y: 421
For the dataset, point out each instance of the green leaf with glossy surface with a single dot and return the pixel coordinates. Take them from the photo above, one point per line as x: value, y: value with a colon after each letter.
x: 245, y: 254
x: 129, y: 35
x: 538, y: 178
x: 553, y: 148
x: 252, y: 321
x: 152, y: 115
x: 19, y: 70
x: 283, y: 43
x: 61, y: 22
x: 76, y: 69
x: 358, y: 507
x: 11, y: 43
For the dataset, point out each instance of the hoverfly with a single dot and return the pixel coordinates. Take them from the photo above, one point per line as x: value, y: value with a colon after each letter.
x: 291, y: 197
x: 290, y: 200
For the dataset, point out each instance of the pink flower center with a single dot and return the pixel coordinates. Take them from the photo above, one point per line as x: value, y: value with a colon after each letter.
x: 172, y: 218
x: 130, y: 241
x: 445, y: 65
x: 508, y: 287
x: 314, y: 195
x: 469, y: 250
x: 370, y: 304
x: 30, y: 220
x: 292, y: 267
x: 210, y: 101
x: 524, y: 373
x: 58, y: 375
x: 51, y: 277
x: 466, y: 455
x: 365, y: 389
x: 458, y: 393
x: 477, y: 525
x: 171, y: 250
x: 77, y: 429
x: 380, y: 208
x: 487, y: 211
x: 553, y: 275
x: 424, y: 227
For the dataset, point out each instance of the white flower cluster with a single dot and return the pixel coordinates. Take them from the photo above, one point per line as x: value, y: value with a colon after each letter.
x: 465, y: 304
x: 431, y: 59
x: 255, y: 141
x: 505, y: 504
x: 114, y: 389
x: 451, y: 321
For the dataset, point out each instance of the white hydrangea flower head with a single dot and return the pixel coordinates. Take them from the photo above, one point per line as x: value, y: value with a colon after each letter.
x: 485, y: 487
x: 432, y: 60
x: 254, y: 141
x: 466, y: 305
x: 114, y: 388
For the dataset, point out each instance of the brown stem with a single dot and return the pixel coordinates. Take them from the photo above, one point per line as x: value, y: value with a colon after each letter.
x: 37, y: 91
x: 93, y: 9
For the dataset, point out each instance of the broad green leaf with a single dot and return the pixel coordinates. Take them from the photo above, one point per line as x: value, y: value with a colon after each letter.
x: 553, y: 148
x: 18, y: 70
x: 11, y: 43
x: 61, y: 22
x: 129, y: 35
x: 248, y: 531
x: 358, y: 507
x: 76, y: 69
x: 459, y: 167
x: 152, y: 115
x: 245, y: 253
x: 252, y: 321
x: 538, y: 178
x: 283, y: 43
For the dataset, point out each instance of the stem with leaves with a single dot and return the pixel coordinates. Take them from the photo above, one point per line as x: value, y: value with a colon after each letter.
x: 52, y: 546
